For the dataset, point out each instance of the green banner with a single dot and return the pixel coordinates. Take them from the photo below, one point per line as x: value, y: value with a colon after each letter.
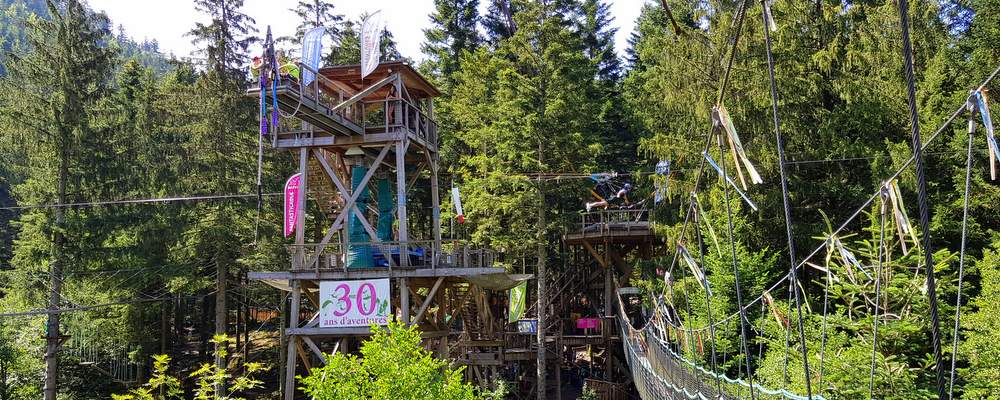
x: 517, y: 296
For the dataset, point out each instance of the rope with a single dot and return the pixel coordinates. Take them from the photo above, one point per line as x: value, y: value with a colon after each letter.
x: 718, y: 100
x: 961, y: 253
x: 793, y: 275
x: 878, y: 290
x: 922, y: 189
x: 736, y: 274
x: 708, y: 302
x: 864, y: 206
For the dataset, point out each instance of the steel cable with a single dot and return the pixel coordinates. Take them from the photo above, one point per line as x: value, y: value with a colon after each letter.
x: 904, y: 19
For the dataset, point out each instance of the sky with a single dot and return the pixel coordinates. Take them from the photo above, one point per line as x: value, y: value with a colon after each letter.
x: 167, y: 21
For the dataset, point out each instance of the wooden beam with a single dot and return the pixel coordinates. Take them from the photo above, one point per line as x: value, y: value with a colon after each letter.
x: 314, y: 348
x: 435, y: 205
x: 350, y: 204
x: 302, y: 353
x: 597, y: 256
x: 416, y: 175
x: 290, y: 362
x: 427, y: 302
x: 375, y: 273
x: 362, y: 94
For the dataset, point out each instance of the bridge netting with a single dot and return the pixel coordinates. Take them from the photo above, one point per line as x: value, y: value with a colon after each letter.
x: 660, y: 373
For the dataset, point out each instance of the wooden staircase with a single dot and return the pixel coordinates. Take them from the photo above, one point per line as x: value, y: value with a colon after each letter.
x: 326, y: 195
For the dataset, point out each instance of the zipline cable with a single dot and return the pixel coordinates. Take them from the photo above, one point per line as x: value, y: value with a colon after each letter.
x: 91, y: 307
x: 878, y: 289
x: 961, y: 253
x: 140, y: 201
x: 792, y: 270
x: 904, y: 19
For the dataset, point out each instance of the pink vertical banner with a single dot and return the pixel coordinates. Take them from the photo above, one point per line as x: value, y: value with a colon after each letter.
x: 292, y: 193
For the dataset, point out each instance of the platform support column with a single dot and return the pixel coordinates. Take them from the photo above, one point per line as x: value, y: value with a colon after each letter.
x: 435, y: 209
x: 300, y: 223
x: 291, y: 341
x: 404, y: 237
x: 609, y: 293
x: 404, y: 300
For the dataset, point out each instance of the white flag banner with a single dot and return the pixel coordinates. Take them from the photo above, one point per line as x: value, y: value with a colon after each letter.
x: 371, y: 37
x: 312, y: 52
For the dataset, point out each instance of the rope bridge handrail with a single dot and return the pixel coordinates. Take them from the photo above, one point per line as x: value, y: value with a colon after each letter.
x: 645, y: 374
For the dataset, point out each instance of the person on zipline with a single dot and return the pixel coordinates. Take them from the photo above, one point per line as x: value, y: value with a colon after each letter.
x: 620, y: 198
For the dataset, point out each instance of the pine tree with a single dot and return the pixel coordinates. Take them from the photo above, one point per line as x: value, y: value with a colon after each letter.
x: 224, y: 41
x: 499, y: 21
x: 317, y: 13
x: 524, y: 108
x: 453, y: 33
x: 222, y: 143
x: 349, y: 49
x: 49, y: 98
x: 598, y: 39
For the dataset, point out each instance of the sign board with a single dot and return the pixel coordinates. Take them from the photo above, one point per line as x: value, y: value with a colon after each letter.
x: 527, y: 326
x: 588, y: 323
x: 293, y: 190
x: 517, y: 299
x: 354, y: 303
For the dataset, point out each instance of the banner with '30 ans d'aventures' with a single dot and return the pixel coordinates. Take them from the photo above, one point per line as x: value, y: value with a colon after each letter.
x: 354, y: 303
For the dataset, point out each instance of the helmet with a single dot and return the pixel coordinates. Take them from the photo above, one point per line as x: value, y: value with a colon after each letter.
x: 628, y: 186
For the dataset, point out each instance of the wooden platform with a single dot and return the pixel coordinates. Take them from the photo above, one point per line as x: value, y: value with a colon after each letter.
x: 373, y: 273
x: 618, y: 232
x: 307, y: 109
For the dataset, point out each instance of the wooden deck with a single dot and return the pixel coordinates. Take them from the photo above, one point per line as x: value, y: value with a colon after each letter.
x: 619, y: 232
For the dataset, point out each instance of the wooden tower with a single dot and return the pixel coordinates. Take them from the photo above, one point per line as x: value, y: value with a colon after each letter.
x: 362, y: 145
x: 602, y: 251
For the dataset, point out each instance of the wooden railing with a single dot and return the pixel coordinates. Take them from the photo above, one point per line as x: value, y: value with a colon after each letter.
x: 420, y: 254
x: 373, y: 116
x: 604, y: 221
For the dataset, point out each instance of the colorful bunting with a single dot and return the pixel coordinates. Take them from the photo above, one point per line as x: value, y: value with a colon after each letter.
x: 982, y: 101
x: 849, y: 258
x: 899, y: 215
x: 779, y: 317
x: 457, y: 200
x: 770, y: 18
x: 730, y: 181
x: 661, y: 181
x: 721, y: 118
x: 695, y: 269
x: 700, y: 217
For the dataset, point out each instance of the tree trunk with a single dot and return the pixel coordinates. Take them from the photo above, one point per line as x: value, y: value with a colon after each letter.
x: 55, y: 282
x: 221, y: 275
x: 542, y: 292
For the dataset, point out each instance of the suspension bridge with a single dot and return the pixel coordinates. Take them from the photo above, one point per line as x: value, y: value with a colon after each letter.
x: 654, y: 342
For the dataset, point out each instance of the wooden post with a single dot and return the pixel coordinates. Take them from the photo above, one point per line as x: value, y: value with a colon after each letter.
x: 542, y: 293
x: 404, y: 237
x: 290, y: 342
x: 282, y: 340
x: 300, y: 223
x: 404, y: 300
x: 435, y: 208
x: 609, y: 294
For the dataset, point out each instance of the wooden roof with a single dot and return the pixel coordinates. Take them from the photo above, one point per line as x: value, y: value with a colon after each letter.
x: 350, y: 75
